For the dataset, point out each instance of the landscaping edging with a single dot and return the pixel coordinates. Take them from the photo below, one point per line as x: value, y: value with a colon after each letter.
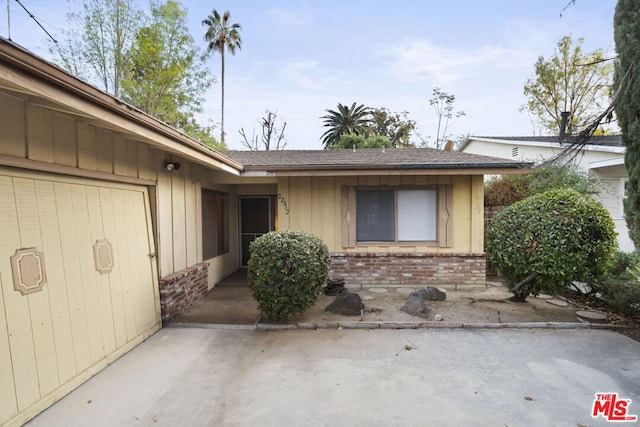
x: 259, y: 326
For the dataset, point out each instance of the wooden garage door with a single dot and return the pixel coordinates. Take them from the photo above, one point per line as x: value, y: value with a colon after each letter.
x: 89, y: 242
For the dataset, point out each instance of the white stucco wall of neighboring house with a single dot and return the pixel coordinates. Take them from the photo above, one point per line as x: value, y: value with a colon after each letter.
x: 603, y: 162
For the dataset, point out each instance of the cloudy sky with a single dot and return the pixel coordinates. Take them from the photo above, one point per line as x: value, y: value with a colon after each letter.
x: 300, y: 58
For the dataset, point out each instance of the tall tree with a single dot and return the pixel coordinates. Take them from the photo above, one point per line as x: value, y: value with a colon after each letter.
x: 272, y: 137
x: 221, y: 36
x: 626, y: 24
x: 166, y: 77
x: 95, y: 47
x: 397, y: 127
x: 571, y: 81
x: 443, y: 102
x: 345, y: 120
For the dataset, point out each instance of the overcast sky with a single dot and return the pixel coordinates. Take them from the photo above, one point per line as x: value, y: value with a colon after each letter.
x: 300, y: 58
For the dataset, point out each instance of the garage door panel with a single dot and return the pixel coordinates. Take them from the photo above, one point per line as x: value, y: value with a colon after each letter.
x: 87, y: 271
x: 71, y: 265
x: 139, y: 245
x: 39, y: 305
x: 57, y: 281
x: 115, y: 276
x: 102, y: 280
x: 123, y: 261
x: 8, y: 403
x: 23, y: 360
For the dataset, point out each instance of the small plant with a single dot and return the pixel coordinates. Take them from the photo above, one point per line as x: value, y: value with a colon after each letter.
x: 620, y: 288
x: 286, y: 270
x: 543, y: 243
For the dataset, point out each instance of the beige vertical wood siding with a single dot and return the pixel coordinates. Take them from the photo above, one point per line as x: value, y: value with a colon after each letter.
x: 52, y: 339
x: 33, y: 132
x: 315, y: 205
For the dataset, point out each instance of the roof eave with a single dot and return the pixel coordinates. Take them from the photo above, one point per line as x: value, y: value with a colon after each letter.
x: 16, y: 57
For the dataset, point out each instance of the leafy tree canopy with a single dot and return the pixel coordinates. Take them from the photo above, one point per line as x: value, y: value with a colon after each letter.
x: 166, y: 76
x: 345, y: 120
x: 350, y: 141
x: 571, y: 80
x: 396, y: 127
x: 96, y: 42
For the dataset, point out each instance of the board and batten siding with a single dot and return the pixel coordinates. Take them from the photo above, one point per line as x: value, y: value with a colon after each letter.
x: 38, y: 134
x: 314, y: 204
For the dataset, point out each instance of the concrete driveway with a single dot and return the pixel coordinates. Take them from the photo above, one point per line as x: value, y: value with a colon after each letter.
x: 214, y: 377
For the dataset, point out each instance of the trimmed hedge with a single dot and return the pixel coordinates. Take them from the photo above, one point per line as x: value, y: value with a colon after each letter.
x: 544, y: 242
x: 286, y: 271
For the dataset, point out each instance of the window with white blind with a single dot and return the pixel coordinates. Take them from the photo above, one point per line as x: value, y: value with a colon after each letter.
x: 397, y: 215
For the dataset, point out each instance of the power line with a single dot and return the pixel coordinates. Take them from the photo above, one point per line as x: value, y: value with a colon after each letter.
x: 37, y: 22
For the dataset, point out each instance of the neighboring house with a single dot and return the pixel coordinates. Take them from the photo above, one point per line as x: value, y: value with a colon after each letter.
x: 113, y: 222
x: 601, y: 158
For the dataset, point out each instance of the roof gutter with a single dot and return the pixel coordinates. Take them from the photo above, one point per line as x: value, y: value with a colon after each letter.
x: 448, y: 166
x: 17, y: 57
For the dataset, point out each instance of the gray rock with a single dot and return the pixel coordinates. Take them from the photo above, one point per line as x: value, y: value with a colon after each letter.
x: 582, y: 287
x: 415, y: 305
x: 438, y: 317
x: 557, y: 302
x: 431, y: 293
x: 346, y: 303
x: 592, y: 316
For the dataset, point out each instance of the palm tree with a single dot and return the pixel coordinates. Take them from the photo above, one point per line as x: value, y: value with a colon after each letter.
x: 221, y: 36
x: 346, y: 120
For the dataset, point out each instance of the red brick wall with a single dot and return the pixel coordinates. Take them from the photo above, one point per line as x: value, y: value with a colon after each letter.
x: 178, y: 291
x: 408, y: 268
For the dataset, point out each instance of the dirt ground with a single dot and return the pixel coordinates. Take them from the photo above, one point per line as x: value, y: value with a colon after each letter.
x: 476, y: 304
x: 231, y: 302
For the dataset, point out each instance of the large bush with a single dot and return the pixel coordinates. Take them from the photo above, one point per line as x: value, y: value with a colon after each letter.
x: 544, y: 242
x: 508, y: 189
x: 286, y: 271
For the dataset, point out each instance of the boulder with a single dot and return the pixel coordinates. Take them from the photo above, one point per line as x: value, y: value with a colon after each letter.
x: 415, y: 305
x: 346, y: 303
x: 431, y: 293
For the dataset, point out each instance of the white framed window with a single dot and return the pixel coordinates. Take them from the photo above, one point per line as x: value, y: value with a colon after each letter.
x: 397, y: 215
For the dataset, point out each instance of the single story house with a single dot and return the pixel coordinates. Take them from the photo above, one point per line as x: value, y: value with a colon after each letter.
x: 113, y: 222
x: 602, y: 158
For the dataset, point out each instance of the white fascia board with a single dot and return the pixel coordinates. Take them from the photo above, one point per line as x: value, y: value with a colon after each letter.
x: 514, y: 142
x: 618, y: 161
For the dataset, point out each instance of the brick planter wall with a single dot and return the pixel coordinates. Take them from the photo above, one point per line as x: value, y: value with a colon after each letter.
x: 178, y: 291
x: 409, y: 268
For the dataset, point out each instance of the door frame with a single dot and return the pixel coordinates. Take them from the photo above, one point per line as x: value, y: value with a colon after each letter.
x: 271, y: 212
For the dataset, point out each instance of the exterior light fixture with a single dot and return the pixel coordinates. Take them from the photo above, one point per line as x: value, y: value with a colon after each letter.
x: 171, y: 166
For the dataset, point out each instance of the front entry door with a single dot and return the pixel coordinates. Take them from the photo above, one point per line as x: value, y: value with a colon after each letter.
x: 257, y: 217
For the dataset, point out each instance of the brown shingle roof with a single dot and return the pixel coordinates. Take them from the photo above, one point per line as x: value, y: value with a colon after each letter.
x: 370, y: 158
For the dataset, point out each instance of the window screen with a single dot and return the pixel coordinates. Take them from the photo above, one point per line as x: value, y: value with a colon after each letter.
x: 375, y: 212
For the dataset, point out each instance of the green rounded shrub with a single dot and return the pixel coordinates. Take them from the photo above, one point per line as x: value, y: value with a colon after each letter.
x: 286, y: 271
x: 545, y: 241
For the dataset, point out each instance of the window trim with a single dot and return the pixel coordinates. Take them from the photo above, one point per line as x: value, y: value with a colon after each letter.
x: 221, y: 230
x: 444, y: 217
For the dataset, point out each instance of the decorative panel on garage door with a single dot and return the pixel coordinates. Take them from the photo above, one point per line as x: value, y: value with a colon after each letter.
x: 99, y: 295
